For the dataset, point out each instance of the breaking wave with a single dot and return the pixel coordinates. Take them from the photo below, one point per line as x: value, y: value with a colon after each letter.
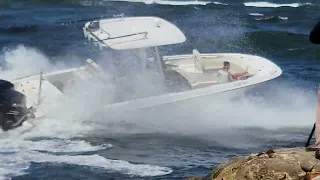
x: 174, y: 2
x: 265, y: 4
x: 256, y: 14
x: 271, y: 18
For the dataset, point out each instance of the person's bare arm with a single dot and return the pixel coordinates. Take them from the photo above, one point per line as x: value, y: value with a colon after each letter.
x: 231, y: 76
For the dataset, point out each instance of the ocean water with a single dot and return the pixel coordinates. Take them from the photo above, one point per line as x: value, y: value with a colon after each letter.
x: 72, y: 144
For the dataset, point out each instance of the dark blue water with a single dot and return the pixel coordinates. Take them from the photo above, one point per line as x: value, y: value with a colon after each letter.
x: 35, y: 34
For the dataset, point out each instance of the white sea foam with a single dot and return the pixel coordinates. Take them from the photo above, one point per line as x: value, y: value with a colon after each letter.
x: 270, y: 17
x: 16, y: 155
x: 174, y: 3
x: 271, y: 5
x: 283, y: 18
x: 256, y: 14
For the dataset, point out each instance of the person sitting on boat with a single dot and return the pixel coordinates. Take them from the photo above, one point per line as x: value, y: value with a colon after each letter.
x: 224, y: 75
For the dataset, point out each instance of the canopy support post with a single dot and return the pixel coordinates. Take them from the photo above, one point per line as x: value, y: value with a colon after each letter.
x: 159, y: 61
x: 40, y: 85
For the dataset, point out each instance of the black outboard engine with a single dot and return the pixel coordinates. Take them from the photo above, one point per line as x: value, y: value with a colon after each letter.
x: 13, y: 109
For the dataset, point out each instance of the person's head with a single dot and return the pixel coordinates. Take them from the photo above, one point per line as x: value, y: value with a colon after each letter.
x: 226, y: 65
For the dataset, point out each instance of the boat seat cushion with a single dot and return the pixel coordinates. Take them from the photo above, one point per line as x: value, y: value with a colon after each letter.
x: 205, y: 65
x: 196, y: 79
x: 198, y: 61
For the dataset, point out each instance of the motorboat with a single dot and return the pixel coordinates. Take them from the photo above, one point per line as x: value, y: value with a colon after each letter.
x: 179, y: 82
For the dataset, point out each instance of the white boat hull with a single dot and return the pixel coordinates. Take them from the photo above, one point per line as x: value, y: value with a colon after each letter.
x: 190, y: 103
x: 191, y: 108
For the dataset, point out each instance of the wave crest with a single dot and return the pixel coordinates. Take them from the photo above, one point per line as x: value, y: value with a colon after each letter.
x: 265, y: 4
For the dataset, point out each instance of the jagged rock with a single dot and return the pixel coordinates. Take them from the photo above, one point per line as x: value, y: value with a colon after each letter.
x: 281, y: 164
x: 270, y: 153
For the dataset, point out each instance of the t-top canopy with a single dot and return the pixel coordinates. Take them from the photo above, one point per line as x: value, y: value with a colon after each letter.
x: 133, y: 32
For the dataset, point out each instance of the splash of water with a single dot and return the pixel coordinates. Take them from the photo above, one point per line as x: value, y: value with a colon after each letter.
x: 65, y: 121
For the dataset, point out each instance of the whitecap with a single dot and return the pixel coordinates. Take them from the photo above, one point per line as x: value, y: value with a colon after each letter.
x: 283, y: 18
x: 268, y: 4
x: 256, y: 14
x: 174, y: 3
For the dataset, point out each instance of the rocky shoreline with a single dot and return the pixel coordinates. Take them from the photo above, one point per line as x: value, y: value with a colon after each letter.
x: 280, y: 164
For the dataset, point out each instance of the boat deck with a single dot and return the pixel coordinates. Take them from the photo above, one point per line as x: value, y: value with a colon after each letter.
x: 201, y: 71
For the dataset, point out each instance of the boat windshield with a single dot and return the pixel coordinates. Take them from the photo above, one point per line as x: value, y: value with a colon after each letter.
x: 128, y: 62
